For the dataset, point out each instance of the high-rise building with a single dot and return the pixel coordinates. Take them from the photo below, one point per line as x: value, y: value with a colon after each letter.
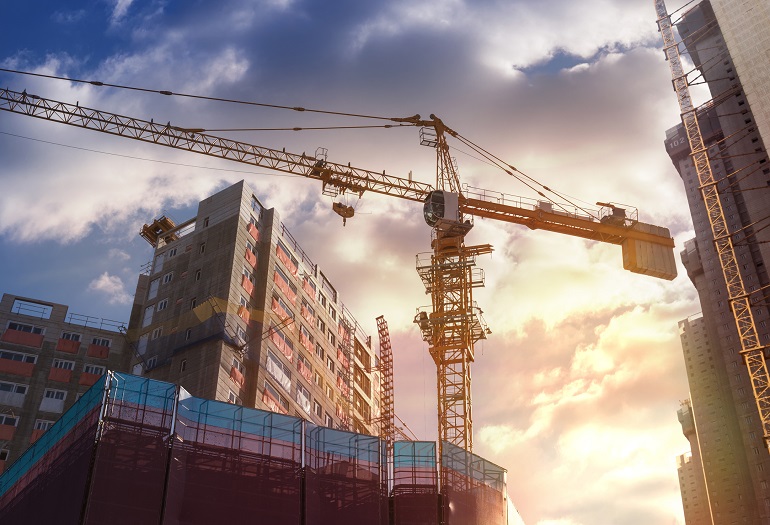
x: 728, y: 435
x: 233, y: 309
x: 48, y: 358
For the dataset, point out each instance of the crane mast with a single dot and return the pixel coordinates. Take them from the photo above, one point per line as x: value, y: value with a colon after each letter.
x: 753, y: 352
x: 454, y: 323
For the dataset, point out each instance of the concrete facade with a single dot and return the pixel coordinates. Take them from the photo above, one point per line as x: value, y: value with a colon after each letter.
x: 235, y: 310
x: 692, y: 483
x: 48, y: 358
x: 735, y: 463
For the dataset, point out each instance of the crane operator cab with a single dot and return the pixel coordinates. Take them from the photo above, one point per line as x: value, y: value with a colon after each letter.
x: 442, y: 211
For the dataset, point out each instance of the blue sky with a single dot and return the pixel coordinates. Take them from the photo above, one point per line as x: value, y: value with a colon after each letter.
x: 579, y: 384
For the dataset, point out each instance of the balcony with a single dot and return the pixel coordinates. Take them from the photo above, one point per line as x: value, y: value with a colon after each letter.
x: 36, y: 435
x: 87, y: 379
x: 98, y: 351
x: 13, y: 399
x: 7, y: 432
x: 60, y: 374
x: 244, y: 314
x: 272, y: 403
x: 18, y: 337
x: 236, y: 376
x: 49, y: 404
x: 251, y: 258
x: 253, y: 231
x: 18, y: 368
x: 68, y: 346
x: 247, y: 285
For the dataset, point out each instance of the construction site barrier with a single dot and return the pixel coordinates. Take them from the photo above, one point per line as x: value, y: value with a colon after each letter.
x: 134, y: 450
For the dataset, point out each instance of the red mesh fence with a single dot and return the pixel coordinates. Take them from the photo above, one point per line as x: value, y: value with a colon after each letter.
x: 234, y: 465
x: 342, y: 478
x: 416, y: 498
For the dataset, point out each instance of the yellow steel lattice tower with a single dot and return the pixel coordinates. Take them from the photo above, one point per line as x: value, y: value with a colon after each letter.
x: 751, y: 349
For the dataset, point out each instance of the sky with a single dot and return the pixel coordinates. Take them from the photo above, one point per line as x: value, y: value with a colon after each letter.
x: 575, y: 392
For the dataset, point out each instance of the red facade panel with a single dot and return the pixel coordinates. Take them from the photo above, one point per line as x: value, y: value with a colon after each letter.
x: 253, y: 231
x: 102, y: 352
x: 247, y: 285
x: 236, y: 376
x: 67, y: 345
x: 244, y: 314
x: 36, y: 435
x: 251, y: 258
x: 22, y: 338
x: 59, y: 374
x: 7, y: 432
x: 18, y: 368
x: 87, y: 379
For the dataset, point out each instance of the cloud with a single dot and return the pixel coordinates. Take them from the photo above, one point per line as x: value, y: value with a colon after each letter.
x: 112, y: 287
x: 120, y: 10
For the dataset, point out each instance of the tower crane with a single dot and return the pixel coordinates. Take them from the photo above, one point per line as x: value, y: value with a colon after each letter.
x: 752, y: 350
x: 454, y: 323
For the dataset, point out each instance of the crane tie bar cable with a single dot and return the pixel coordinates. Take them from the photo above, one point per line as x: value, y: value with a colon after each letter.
x: 201, y: 97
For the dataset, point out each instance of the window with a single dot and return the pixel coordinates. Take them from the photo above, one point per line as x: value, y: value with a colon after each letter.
x: 16, y: 356
x: 193, y: 302
x: 330, y: 364
x: 279, y: 371
x: 162, y: 305
x: 4, y: 454
x: 319, y: 350
x: 321, y: 325
x: 244, y: 301
x: 255, y: 206
x: 273, y: 392
x: 158, y: 263
x: 51, y: 393
x: 152, y: 362
x: 238, y: 366
x: 65, y: 365
x: 328, y: 421
x: 172, y: 252
x: 233, y: 398
x: 248, y: 275
x: 202, y: 247
x: 70, y: 336
x: 197, y: 275
x: 205, y: 223
x: 188, y: 333
x: 156, y: 333
x: 331, y: 338
x: 242, y: 335
x: 168, y: 277
x: 333, y: 312
x: 100, y: 341
x: 14, y: 388
x: 94, y: 369
x: 21, y: 327
x: 153, y: 292
x: 183, y: 365
x: 9, y: 420
x: 303, y: 397
x: 148, y: 312
x: 43, y: 424
x: 317, y: 409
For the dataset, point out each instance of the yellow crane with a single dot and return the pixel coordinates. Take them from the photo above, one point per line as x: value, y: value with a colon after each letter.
x: 450, y: 275
x: 752, y: 350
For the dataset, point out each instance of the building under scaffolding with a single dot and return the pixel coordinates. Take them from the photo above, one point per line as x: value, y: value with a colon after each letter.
x: 136, y: 450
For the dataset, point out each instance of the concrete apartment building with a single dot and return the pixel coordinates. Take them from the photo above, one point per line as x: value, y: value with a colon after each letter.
x: 234, y: 310
x: 48, y: 358
x: 726, y: 435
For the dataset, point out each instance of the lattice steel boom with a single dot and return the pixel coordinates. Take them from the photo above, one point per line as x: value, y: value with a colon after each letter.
x: 450, y: 274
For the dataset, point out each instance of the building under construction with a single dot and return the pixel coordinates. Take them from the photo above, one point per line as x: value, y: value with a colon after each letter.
x: 136, y: 450
x: 233, y: 309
